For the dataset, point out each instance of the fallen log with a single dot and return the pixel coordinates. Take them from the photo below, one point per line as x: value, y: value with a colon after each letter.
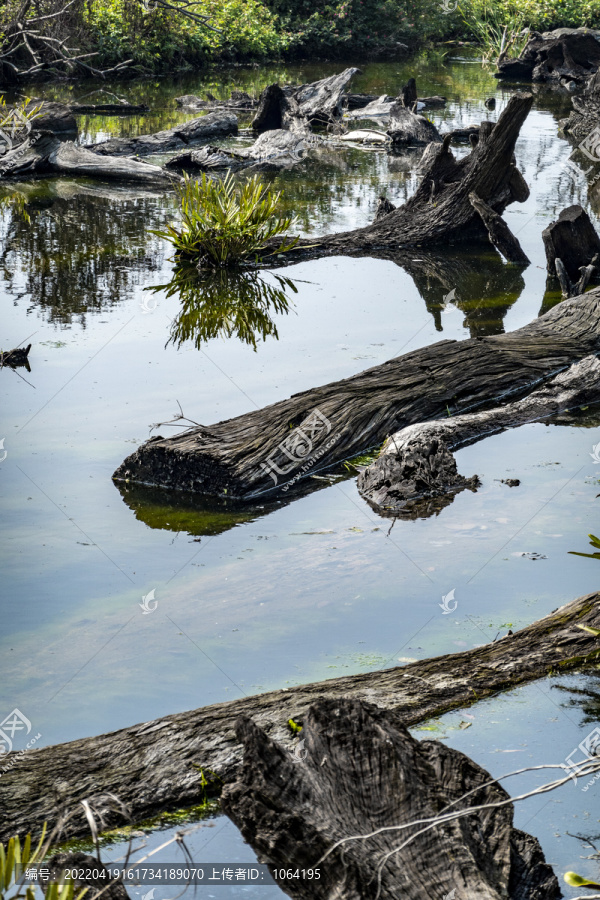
x: 45, y: 154
x: 238, y: 100
x: 564, y: 55
x: 417, y: 463
x: 572, y: 250
x: 499, y: 233
x: 56, y: 118
x: 584, y: 119
x: 119, y: 109
x: 297, y: 108
x: 159, y: 765
x: 275, y: 447
x: 277, y: 148
x: 408, y: 127
x: 15, y: 358
x: 194, y: 132
x: 360, y: 772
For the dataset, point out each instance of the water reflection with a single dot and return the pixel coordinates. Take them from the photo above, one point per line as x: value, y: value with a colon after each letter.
x: 227, y: 304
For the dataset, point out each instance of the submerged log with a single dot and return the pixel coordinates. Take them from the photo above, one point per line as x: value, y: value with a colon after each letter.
x: 416, y: 463
x: 572, y: 250
x: 360, y: 772
x: 15, y: 358
x: 46, y: 154
x: 272, y: 449
x: 297, y: 108
x: 565, y: 54
x: 216, y: 124
x: 407, y: 127
x: 157, y: 766
x: 277, y: 148
x: 119, y: 109
x: 238, y: 100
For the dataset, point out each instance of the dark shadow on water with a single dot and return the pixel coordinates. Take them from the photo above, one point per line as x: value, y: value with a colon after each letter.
x: 228, y: 304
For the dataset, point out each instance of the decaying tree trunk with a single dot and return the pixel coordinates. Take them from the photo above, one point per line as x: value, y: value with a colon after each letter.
x: 273, y: 448
x: 557, y: 56
x: 238, y: 100
x: 585, y: 118
x: 156, y: 765
x: 416, y: 463
x: 572, y: 250
x: 499, y: 233
x: 360, y: 772
x: 46, y: 154
x: 277, y: 148
x: 15, y: 358
x: 297, y: 108
x: 406, y: 127
x: 216, y: 124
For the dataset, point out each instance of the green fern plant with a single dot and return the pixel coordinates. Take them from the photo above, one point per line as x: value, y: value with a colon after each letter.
x: 226, y: 223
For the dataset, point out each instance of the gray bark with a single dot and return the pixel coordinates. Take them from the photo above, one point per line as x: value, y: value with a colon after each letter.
x: 197, y: 131
x: 555, y: 56
x: 361, y: 772
x: 297, y: 108
x: 154, y: 766
x: 416, y: 463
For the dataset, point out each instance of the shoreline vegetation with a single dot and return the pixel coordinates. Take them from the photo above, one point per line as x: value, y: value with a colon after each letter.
x: 156, y: 40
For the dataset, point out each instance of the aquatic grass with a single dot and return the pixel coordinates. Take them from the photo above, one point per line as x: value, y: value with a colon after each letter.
x: 15, y: 856
x: 594, y: 542
x: 499, y: 30
x: 227, y: 223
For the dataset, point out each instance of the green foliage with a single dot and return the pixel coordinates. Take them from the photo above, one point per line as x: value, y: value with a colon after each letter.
x: 13, y: 855
x: 579, y: 881
x: 497, y: 27
x: 226, y: 223
x: 594, y: 542
x: 537, y: 15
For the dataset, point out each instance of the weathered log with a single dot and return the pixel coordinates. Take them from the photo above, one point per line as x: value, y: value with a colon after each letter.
x: 277, y: 148
x: 155, y: 766
x: 584, y: 119
x: 238, y: 100
x: 408, y: 94
x: 45, y: 154
x: 119, y: 109
x: 275, y: 447
x: 360, y: 772
x: 216, y: 124
x: 572, y: 239
x: 297, y: 108
x: 15, y: 358
x: 499, y: 233
x: 56, y: 118
x: 555, y: 56
x: 407, y: 127
x: 416, y: 463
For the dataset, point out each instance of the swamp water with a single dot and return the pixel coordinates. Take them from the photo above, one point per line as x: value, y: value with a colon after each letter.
x: 274, y: 595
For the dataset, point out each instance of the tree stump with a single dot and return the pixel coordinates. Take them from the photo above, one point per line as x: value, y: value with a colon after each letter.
x: 360, y: 772
x: 573, y: 240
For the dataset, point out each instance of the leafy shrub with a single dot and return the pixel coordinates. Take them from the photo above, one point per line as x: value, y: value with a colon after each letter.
x: 226, y: 223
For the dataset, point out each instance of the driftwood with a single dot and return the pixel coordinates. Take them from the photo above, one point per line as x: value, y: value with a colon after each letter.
x: 195, y: 132
x: 275, y: 447
x: 408, y: 127
x: 46, y: 154
x: 572, y: 250
x: 57, y: 118
x: 360, y: 772
x: 297, y: 108
x: 416, y: 463
x: 585, y: 118
x: 277, y: 148
x: 119, y: 109
x: 563, y: 55
x: 499, y: 233
x: 238, y: 100
x: 15, y: 358
x: 156, y: 765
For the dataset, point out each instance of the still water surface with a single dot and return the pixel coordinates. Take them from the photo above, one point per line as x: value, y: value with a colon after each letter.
x: 268, y: 596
